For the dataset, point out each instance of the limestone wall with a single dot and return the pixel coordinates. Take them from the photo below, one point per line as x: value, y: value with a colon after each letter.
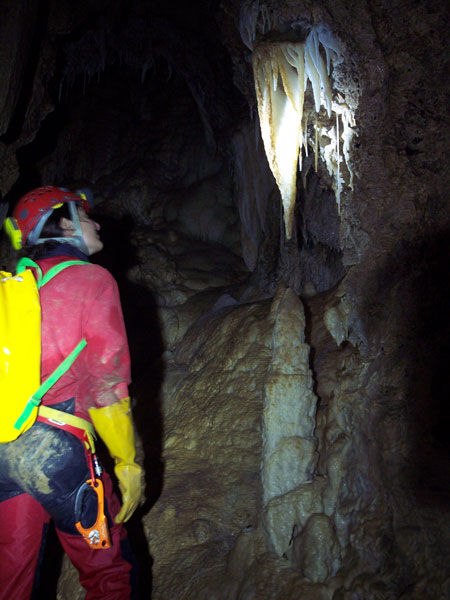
x: 291, y: 398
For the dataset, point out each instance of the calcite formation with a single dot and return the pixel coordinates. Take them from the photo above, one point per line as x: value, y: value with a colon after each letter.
x: 289, y: 450
x: 290, y: 395
x: 282, y: 72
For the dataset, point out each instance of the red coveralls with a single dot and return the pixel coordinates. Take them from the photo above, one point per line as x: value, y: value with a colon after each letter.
x: 81, y: 301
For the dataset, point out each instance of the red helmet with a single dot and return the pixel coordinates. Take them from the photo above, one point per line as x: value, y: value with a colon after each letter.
x: 35, y: 205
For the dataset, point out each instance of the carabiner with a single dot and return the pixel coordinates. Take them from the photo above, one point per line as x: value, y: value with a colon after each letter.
x: 97, y: 536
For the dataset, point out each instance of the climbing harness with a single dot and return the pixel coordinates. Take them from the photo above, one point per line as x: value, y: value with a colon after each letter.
x: 97, y: 535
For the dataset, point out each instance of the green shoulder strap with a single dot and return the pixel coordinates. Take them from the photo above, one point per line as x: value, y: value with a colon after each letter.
x: 36, y: 398
x: 26, y: 262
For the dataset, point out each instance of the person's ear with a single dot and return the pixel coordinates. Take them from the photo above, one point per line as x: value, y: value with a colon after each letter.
x: 67, y: 227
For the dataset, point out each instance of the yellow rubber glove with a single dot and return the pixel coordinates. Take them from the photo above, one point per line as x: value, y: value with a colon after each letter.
x: 114, y: 424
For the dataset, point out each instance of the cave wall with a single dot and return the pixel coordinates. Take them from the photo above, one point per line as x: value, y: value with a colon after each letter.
x: 290, y: 397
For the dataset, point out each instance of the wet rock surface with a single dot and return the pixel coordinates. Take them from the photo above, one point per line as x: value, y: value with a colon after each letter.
x: 291, y: 399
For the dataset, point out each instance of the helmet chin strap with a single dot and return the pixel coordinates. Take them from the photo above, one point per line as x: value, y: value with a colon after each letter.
x: 76, y: 240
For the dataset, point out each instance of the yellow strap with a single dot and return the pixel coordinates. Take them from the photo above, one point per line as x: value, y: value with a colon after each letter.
x: 64, y: 418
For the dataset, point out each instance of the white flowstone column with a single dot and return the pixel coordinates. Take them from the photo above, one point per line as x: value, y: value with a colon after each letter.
x: 289, y: 446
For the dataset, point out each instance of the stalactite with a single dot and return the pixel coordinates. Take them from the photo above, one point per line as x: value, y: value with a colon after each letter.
x: 316, y: 146
x: 281, y: 72
x: 253, y: 16
x: 280, y: 110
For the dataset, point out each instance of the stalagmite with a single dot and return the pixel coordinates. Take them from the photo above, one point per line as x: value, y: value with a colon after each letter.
x: 289, y: 453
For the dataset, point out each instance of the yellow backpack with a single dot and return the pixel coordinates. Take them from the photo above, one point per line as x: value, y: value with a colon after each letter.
x: 21, y: 390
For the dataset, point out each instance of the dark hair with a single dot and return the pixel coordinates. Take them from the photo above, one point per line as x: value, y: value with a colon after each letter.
x: 51, y: 229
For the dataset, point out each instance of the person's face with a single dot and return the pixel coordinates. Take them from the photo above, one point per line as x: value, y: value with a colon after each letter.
x: 90, y: 230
